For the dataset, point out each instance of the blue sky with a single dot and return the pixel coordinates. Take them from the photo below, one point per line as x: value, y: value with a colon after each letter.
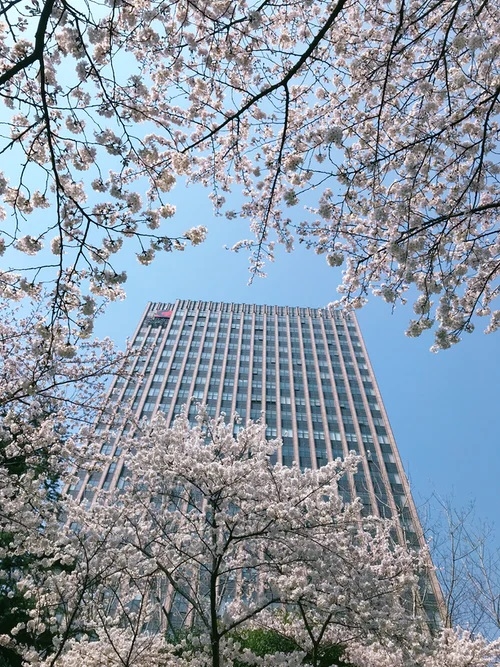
x: 443, y: 408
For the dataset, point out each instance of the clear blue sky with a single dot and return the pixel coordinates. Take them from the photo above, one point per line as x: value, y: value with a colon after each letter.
x: 444, y: 408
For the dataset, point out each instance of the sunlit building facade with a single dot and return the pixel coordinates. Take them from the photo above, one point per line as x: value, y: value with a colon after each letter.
x: 305, y: 369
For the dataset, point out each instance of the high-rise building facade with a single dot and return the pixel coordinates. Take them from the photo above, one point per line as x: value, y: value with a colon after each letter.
x: 305, y: 369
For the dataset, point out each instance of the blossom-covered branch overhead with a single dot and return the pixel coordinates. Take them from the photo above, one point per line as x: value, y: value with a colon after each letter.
x: 366, y: 130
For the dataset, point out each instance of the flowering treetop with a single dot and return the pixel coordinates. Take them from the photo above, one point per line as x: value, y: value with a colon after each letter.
x: 207, y: 534
x: 382, y: 119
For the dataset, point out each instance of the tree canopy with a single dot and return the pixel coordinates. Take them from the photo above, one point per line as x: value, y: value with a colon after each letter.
x: 210, y: 555
x: 49, y: 394
x: 376, y: 122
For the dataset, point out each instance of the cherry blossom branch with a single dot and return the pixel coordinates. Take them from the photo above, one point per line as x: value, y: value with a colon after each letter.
x: 37, y: 54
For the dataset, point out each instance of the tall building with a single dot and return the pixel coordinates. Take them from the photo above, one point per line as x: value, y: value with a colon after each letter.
x: 306, y: 369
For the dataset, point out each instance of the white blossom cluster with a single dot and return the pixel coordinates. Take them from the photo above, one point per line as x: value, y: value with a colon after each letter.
x: 196, y: 234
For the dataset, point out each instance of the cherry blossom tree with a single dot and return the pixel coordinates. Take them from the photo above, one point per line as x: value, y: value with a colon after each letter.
x: 227, y: 525
x: 48, y: 392
x: 340, y: 596
x: 207, y: 539
x: 207, y: 534
x: 381, y: 120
